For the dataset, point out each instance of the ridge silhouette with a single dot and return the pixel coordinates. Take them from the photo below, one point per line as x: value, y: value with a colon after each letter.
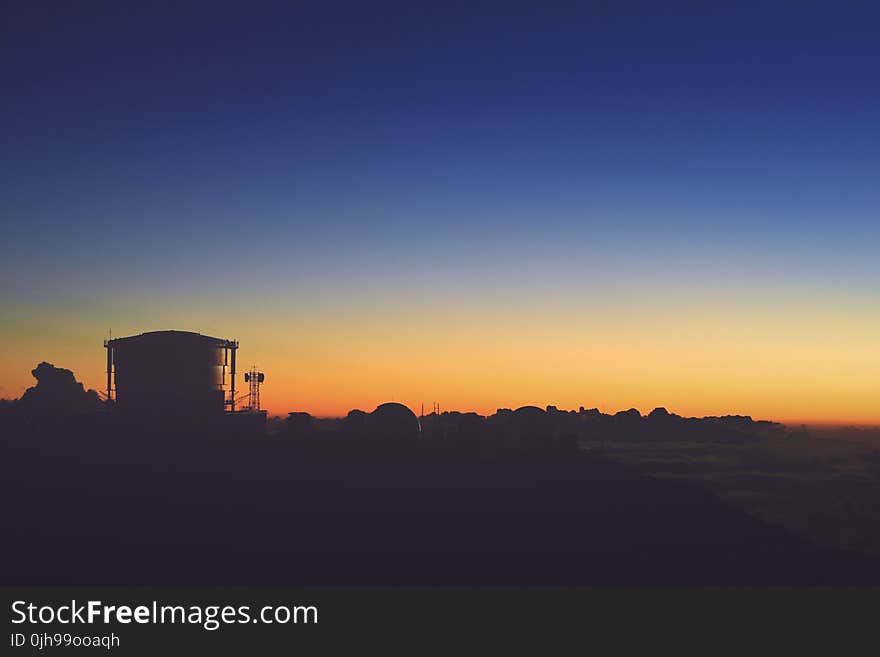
x: 381, y: 498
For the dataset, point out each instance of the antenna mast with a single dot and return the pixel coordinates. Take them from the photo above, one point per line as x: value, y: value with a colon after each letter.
x: 254, y: 379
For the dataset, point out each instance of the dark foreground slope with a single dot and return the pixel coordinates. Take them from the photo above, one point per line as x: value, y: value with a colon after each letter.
x: 144, y: 510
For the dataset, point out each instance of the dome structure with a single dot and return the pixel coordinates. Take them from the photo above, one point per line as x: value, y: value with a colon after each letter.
x: 529, y: 412
x: 393, y: 420
x: 531, y: 423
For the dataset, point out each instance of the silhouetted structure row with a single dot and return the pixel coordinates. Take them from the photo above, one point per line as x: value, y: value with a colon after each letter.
x: 374, y: 498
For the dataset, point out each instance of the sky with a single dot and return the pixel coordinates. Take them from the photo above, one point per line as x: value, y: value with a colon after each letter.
x: 599, y: 204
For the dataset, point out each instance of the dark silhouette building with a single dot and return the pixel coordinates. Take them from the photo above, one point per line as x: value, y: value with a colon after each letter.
x: 171, y: 372
x: 178, y: 380
x: 393, y: 420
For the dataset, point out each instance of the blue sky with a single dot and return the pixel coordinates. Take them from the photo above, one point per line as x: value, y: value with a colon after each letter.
x: 309, y: 153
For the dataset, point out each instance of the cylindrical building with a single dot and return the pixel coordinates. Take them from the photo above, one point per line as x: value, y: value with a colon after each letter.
x: 170, y: 372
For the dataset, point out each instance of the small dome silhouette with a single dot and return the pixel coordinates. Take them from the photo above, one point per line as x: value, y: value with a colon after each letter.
x: 529, y: 411
x: 532, y: 421
x: 631, y: 414
x: 393, y: 420
x: 531, y: 416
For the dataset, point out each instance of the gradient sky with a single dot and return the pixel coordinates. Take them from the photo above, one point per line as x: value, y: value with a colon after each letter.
x: 608, y: 204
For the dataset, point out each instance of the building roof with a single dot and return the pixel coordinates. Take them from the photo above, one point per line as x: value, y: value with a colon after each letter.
x: 177, y: 336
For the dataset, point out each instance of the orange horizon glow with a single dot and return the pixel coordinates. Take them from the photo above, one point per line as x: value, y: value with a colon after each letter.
x: 279, y: 401
x: 700, y: 360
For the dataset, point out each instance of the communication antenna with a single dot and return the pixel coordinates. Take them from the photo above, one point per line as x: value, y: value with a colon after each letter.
x: 254, y: 379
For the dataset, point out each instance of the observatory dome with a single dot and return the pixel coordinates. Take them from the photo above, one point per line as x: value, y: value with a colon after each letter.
x: 393, y: 420
x: 529, y: 411
x: 531, y: 421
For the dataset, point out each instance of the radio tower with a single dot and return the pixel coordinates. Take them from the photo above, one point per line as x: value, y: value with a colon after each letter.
x: 254, y: 378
